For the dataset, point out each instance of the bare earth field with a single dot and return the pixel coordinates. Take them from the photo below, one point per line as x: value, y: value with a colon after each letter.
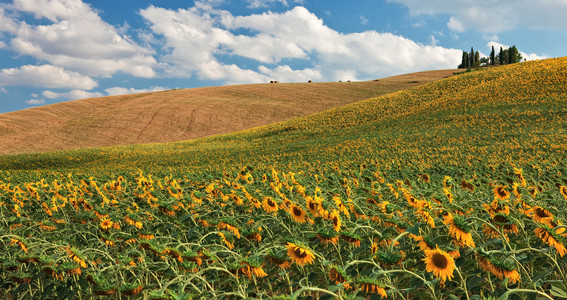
x: 178, y: 115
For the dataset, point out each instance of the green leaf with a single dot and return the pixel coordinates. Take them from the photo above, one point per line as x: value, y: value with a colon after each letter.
x: 558, y: 290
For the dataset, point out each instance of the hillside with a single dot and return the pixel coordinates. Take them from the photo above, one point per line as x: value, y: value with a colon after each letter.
x: 178, y: 115
x: 513, y: 114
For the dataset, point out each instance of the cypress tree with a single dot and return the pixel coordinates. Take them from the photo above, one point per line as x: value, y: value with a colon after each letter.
x: 471, y: 57
x: 477, y: 59
x: 492, y: 57
x: 501, y: 56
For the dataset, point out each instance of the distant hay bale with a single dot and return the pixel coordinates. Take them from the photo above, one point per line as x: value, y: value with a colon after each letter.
x: 309, y: 81
x: 276, y: 81
x: 271, y: 81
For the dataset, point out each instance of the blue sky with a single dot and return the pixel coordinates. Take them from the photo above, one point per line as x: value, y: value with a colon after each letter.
x: 60, y: 50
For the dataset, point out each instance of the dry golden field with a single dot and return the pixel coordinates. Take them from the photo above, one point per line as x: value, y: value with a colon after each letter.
x: 177, y: 115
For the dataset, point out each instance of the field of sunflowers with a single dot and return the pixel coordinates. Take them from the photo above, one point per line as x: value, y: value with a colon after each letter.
x: 453, y: 190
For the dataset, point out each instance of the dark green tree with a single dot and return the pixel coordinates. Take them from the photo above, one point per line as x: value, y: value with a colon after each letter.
x: 501, y: 56
x: 477, y: 59
x: 492, y: 56
x: 471, y: 57
x: 464, y: 61
x: 514, y: 55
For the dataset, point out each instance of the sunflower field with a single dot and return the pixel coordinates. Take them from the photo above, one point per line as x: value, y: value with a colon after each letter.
x: 453, y: 190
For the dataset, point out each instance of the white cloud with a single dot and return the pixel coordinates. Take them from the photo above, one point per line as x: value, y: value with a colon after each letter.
x: 77, y: 39
x: 35, y: 101
x: 527, y: 56
x: 71, y: 95
x: 495, y: 15
x: 363, y: 20
x: 455, y: 25
x: 266, y: 3
x: 194, y: 37
x: 113, y: 91
x: 45, y: 76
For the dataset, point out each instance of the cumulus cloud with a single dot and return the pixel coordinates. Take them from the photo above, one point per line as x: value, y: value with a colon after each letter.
x: 76, y: 38
x: 35, y: 101
x: 193, y: 39
x: 266, y: 3
x: 47, y: 76
x: 71, y: 95
x: 113, y: 91
x: 494, y: 16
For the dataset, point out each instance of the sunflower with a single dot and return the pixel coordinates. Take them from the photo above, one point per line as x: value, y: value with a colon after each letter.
x: 339, y: 276
x: 547, y: 235
x: 371, y: 286
x: 106, y: 223
x: 440, y: 263
x: 424, y: 243
x: 351, y: 238
x: 563, y: 191
x: 459, y: 230
x: 336, y: 219
x: 278, y: 260
x: 269, y: 205
x: 424, y: 177
x: 299, y: 254
x: 298, y: 214
x: 499, y: 269
x: 314, y: 205
x: 501, y: 193
x: 539, y: 214
x: 326, y: 237
x: 389, y: 258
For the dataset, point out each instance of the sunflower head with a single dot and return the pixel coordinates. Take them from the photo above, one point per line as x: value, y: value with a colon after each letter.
x: 297, y: 213
x: 440, y: 263
x: 300, y: 254
x: 371, y: 285
x: 390, y: 258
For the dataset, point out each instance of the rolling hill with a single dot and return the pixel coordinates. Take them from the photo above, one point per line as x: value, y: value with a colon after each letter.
x: 178, y: 115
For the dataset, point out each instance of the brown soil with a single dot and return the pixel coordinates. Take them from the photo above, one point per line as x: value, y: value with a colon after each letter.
x: 178, y: 115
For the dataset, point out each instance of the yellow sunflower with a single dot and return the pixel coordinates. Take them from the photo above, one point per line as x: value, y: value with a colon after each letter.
x: 269, y: 205
x: 440, y: 263
x: 298, y: 214
x: 459, y: 230
x: 563, y: 191
x: 371, y: 286
x: 299, y: 254
x: 501, y: 193
x: 547, y: 235
x: 338, y: 275
x: 336, y: 219
x: 106, y: 224
x: 499, y: 269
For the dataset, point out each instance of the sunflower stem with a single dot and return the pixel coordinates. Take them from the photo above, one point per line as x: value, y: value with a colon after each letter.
x: 514, y: 291
x: 463, y: 283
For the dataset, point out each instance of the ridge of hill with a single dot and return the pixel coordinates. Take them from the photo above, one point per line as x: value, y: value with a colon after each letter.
x: 178, y: 115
